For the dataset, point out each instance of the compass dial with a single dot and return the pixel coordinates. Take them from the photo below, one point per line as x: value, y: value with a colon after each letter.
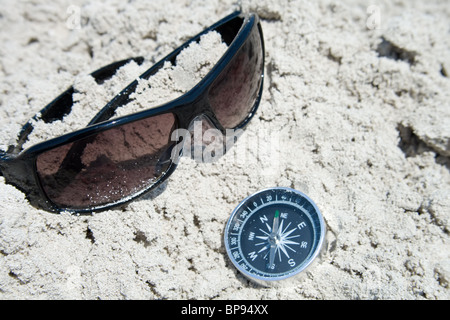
x: 274, y: 234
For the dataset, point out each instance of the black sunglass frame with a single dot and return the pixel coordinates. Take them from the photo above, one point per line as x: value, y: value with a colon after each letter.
x: 19, y: 167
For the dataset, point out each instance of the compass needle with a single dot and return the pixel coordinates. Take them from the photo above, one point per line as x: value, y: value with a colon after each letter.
x: 276, y: 239
x: 273, y: 238
x: 272, y: 255
x: 280, y: 228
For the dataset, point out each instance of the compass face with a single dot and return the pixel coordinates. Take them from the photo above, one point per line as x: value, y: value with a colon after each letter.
x: 274, y: 234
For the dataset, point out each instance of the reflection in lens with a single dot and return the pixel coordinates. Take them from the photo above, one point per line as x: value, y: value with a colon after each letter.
x: 235, y: 92
x: 108, y: 166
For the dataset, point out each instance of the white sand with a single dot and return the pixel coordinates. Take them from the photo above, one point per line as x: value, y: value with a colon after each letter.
x: 357, y: 113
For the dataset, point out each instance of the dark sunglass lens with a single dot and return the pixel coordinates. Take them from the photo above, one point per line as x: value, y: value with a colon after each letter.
x: 235, y: 92
x: 109, y: 166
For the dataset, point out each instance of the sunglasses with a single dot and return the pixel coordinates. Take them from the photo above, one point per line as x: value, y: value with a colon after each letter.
x: 113, y: 161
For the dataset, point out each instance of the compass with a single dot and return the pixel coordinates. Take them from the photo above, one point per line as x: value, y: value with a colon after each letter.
x: 274, y: 234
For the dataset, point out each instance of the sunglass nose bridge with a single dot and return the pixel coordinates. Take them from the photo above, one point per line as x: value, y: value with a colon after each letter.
x: 202, y: 138
x: 200, y: 125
